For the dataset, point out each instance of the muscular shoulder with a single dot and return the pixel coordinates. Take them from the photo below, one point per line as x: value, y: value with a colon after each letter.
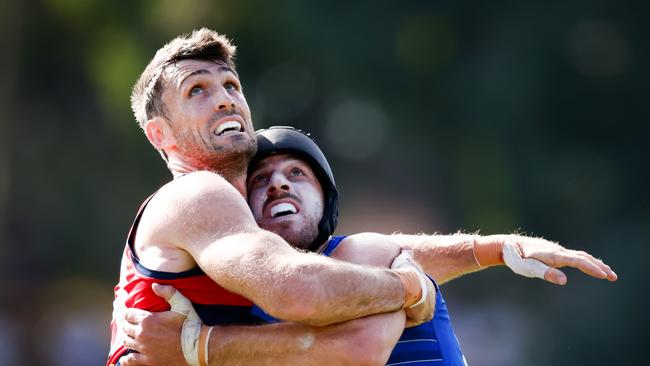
x: 367, y: 248
x: 194, y: 188
x: 199, y: 205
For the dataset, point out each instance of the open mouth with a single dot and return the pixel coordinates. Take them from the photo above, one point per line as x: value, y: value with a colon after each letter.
x: 283, y: 209
x: 228, y: 127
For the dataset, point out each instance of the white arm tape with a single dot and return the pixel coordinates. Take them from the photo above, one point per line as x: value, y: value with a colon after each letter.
x: 522, y: 266
x: 191, y: 327
x: 405, y: 261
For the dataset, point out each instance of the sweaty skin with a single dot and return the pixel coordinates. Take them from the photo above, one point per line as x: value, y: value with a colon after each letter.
x: 185, y: 216
x: 206, y: 136
x: 374, y: 337
x: 365, y: 341
x: 190, y: 103
x: 444, y: 257
x: 184, y: 226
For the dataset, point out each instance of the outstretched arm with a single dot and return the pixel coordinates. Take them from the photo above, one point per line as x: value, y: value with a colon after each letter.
x: 446, y: 257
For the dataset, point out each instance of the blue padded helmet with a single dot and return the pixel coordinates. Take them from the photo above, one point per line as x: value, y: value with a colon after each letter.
x: 289, y: 140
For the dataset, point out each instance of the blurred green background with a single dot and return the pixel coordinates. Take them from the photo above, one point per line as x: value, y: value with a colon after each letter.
x: 496, y: 116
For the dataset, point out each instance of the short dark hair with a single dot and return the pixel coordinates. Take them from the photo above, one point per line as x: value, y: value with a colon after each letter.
x: 201, y: 44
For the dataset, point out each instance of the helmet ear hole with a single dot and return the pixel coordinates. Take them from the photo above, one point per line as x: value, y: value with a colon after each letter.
x: 289, y: 140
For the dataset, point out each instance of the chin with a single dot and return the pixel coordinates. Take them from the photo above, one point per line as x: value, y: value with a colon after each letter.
x: 283, y: 228
x: 243, y: 146
x: 286, y: 231
x: 239, y: 143
x: 235, y: 156
x: 294, y: 229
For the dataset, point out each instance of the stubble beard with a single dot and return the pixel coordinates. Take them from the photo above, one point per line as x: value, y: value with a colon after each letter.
x: 307, y: 237
x: 229, y: 161
x: 301, y: 239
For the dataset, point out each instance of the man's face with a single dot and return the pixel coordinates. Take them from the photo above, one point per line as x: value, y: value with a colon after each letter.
x: 208, y: 114
x: 286, y: 198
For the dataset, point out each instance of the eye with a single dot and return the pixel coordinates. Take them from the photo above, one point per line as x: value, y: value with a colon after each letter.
x: 231, y: 86
x: 259, y: 179
x: 296, y: 172
x: 196, y: 91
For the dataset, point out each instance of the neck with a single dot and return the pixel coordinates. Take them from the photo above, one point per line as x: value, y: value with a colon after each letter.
x: 239, y: 183
x: 236, y: 177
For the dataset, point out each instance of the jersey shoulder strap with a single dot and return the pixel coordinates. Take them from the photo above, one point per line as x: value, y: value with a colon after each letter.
x: 332, y: 244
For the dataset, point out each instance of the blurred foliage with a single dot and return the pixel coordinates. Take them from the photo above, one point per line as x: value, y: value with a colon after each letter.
x: 437, y: 116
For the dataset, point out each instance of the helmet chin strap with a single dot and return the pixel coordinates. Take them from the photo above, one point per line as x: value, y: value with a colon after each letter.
x: 318, y: 244
x: 328, y: 222
x: 320, y: 249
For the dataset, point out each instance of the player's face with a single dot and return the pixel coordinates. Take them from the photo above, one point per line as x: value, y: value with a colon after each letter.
x: 208, y: 113
x: 286, y: 197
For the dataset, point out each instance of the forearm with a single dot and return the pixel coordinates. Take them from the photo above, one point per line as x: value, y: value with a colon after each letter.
x: 366, y: 341
x: 297, y: 286
x: 445, y: 257
x: 157, y: 339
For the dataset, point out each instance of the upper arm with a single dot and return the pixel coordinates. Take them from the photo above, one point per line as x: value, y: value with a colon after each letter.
x: 205, y: 208
x: 209, y: 220
x: 205, y: 219
x: 367, y: 248
x: 187, y: 215
x: 192, y: 211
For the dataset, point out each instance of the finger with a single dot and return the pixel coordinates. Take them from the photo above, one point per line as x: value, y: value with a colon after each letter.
x: 554, y: 275
x: 128, y: 329
x: 164, y: 291
x: 586, y: 265
x: 134, y: 359
x: 528, y: 267
x: 131, y: 343
x: 404, y: 259
x: 179, y: 303
x: 135, y: 316
x: 570, y: 258
x: 611, y: 275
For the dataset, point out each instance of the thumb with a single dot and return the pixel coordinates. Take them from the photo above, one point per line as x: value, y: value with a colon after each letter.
x: 554, y: 275
x: 525, y: 266
x: 179, y: 303
x: 164, y: 291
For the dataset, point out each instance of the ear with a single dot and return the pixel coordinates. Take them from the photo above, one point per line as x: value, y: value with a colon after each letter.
x: 159, y: 133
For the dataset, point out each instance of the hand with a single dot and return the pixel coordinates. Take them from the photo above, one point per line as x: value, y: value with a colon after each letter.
x: 156, y: 336
x: 425, y: 306
x: 423, y: 312
x: 555, y: 256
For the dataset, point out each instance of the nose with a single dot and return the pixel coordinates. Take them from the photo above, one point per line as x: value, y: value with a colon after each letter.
x: 224, y: 101
x: 278, y: 183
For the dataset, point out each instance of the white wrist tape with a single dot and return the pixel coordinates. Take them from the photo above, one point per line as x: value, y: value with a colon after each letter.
x: 191, y: 327
x: 405, y: 261
x: 522, y: 266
